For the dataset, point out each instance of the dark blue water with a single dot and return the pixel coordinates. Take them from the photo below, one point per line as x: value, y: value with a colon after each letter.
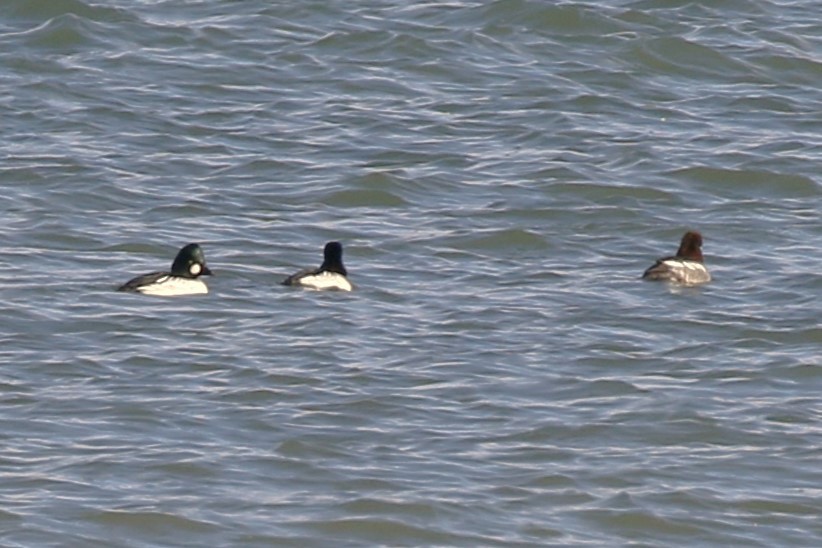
x: 500, y: 174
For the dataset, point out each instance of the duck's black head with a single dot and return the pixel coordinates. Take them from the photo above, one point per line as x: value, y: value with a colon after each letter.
x: 332, y: 258
x: 190, y: 262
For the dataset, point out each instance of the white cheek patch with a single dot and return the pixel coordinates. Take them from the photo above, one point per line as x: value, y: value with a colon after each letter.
x: 195, y: 269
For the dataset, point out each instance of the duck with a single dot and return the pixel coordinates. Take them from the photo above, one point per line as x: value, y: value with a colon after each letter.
x: 331, y: 275
x: 183, y: 279
x: 687, y: 267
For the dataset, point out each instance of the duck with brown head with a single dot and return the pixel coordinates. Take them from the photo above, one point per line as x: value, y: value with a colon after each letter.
x: 687, y: 267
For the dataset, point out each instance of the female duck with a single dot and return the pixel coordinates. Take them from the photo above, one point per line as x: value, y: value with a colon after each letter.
x: 184, y: 278
x: 686, y: 267
x: 330, y: 275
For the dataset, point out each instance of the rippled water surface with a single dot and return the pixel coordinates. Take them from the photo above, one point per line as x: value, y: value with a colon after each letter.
x: 500, y: 173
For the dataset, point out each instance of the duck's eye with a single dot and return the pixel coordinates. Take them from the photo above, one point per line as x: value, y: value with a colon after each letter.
x: 195, y: 269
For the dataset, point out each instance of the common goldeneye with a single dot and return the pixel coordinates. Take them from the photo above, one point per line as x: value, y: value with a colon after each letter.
x: 184, y: 278
x: 330, y: 275
x: 686, y: 267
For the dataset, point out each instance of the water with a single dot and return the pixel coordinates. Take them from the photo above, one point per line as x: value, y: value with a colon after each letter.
x: 500, y: 174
